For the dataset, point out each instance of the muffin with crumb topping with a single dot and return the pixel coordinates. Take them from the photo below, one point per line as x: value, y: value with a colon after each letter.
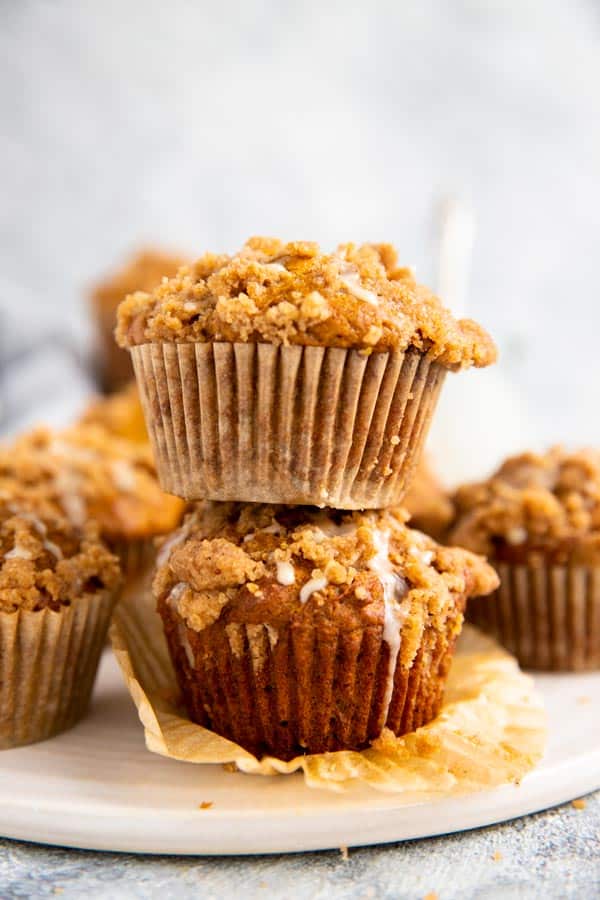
x: 58, y: 585
x: 89, y: 474
x: 121, y: 414
x: 296, y: 630
x: 286, y: 374
x: 428, y: 503
x: 141, y: 273
x: 538, y: 520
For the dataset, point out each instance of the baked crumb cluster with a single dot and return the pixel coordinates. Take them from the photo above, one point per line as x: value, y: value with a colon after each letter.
x: 546, y: 504
x: 297, y: 561
x: 357, y: 297
x: 45, y: 562
x: 121, y: 414
x: 90, y: 474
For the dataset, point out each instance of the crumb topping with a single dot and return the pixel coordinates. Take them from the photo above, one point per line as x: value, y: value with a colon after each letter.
x: 535, y: 504
x: 296, y: 561
x: 120, y: 414
x: 89, y: 474
x: 45, y: 562
x: 357, y: 297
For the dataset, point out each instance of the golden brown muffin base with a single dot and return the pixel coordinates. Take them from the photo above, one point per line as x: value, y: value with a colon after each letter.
x: 48, y: 663
x: 547, y: 615
x: 306, y: 689
x: 286, y: 424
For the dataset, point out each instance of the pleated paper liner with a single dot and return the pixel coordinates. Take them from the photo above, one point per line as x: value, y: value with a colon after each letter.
x: 491, y: 729
x: 48, y: 663
x: 135, y: 556
x: 297, y: 425
x: 548, y: 616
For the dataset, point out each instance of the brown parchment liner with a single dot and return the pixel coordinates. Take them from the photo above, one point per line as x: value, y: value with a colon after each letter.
x: 48, y: 663
x: 491, y: 729
x: 548, y: 616
x: 273, y: 424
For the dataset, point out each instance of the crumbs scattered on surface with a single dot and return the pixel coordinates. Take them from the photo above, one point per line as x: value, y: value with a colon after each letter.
x: 431, y: 896
x: 579, y: 804
x: 206, y: 804
x: 583, y: 701
x: 497, y: 856
x: 344, y: 853
x: 230, y: 767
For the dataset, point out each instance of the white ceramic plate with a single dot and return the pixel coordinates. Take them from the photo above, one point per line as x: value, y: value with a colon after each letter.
x: 98, y: 787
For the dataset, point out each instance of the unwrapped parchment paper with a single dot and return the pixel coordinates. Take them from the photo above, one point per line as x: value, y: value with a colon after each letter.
x: 491, y: 730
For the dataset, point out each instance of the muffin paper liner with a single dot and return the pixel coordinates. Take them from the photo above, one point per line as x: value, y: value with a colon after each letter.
x: 310, y: 688
x: 273, y: 424
x: 48, y: 663
x: 548, y: 616
x: 490, y: 729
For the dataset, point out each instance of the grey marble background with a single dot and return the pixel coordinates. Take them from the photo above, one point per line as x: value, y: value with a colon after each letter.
x: 195, y: 124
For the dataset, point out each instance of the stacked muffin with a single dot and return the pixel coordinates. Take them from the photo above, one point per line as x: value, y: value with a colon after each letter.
x: 284, y: 390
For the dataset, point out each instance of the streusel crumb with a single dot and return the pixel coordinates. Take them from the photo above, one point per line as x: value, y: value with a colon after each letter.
x: 44, y: 561
x: 535, y: 504
x: 313, y: 562
x: 294, y: 293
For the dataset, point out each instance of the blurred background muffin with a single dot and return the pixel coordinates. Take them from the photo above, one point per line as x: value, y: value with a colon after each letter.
x: 428, y: 502
x: 293, y: 630
x: 141, y: 272
x: 92, y: 475
x: 537, y: 518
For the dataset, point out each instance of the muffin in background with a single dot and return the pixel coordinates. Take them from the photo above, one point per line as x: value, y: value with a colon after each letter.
x: 286, y: 374
x: 142, y: 272
x: 294, y: 630
x: 91, y: 475
x: 538, y: 520
x: 58, y: 585
x: 428, y: 503
x: 120, y: 414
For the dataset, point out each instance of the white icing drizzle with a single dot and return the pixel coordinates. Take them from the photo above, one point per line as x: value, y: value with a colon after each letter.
x: 170, y: 543
x: 351, y: 279
x: 286, y: 573
x: 176, y: 594
x: 53, y: 548
x: 185, y: 643
x: 18, y: 552
x: 394, y: 588
x: 311, y: 587
x: 39, y: 526
x: 124, y: 475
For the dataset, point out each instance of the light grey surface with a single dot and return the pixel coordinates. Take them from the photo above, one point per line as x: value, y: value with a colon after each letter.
x: 551, y: 855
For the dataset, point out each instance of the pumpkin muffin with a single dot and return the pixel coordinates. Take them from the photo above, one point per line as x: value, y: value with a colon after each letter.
x: 286, y: 374
x: 89, y: 474
x: 142, y: 272
x: 121, y: 414
x: 296, y: 630
x: 58, y: 586
x: 538, y: 519
x: 428, y: 503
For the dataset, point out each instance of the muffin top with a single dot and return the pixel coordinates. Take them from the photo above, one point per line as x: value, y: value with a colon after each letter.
x: 428, y: 503
x: 357, y: 297
x: 121, y: 414
x: 45, y: 561
x: 140, y: 273
x: 535, y: 506
x: 275, y: 564
x: 89, y: 474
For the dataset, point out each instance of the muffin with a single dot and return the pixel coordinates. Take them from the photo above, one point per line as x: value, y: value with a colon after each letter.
x: 538, y: 519
x: 142, y: 272
x: 428, y: 503
x: 121, y: 414
x: 89, y: 474
x: 297, y: 630
x: 58, y: 586
x: 285, y: 374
